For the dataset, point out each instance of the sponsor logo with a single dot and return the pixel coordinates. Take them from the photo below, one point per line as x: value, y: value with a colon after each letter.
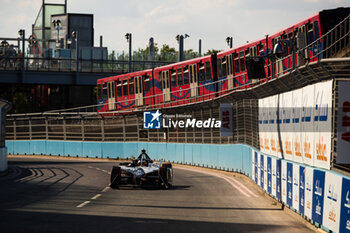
x: 151, y: 120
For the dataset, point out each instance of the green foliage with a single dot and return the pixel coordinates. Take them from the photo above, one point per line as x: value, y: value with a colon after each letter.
x: 212, y: 51
x: 164, y: 53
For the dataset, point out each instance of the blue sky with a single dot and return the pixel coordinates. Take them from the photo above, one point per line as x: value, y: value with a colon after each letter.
x: 209, y: 20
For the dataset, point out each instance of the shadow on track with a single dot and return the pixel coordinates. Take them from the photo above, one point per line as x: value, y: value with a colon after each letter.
x: 41, y: 222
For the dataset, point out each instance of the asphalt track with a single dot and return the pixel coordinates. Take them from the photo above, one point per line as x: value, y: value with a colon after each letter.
x: 66, y: 195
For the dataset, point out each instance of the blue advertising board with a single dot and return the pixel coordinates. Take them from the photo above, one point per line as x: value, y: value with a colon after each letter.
x: 345, y: 207
x: 278, y: 184
x: 262, y: 171
x: 256, y: 167
x: 301, y: 189
x: 269, y: 175
x: 318, y: 196
x: 289, y: 184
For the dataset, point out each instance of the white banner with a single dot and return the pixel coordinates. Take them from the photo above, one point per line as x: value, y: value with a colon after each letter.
x: 309, y: 179
x: 226, y: 120
x: 266, y: 126
x: 296, y: 135
x: 284, y: 181
x: 343, y: 129
x: 332, y: 201
x: 261, y: 125
x: 279, y: 121
x: 296, y: 198
x: 323, y: 124
x: 287, y: 127
x: 272, y: 108
x: 307, y: 135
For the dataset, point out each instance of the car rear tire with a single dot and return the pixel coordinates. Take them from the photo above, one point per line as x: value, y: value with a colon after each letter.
x: 115, y: 176
x: 166, y: 175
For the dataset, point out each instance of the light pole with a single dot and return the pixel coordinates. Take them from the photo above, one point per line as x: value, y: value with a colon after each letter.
x: 200, y: 48
x: 180, y: 40
x: 128, y: 37
x: 58, y: 25
x: 229, y: 41
x: 22, y: 34
x: 75, y: 35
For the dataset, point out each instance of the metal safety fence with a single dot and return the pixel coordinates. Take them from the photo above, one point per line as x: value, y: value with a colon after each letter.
x: 129, y: 127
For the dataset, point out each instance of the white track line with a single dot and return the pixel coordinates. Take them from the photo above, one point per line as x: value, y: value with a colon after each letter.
x: 105, y: 189
x: 83, y: 204
x: 96, y: 196
x: 99, y: 169
x: 237, y: 185
x: 244, y: 187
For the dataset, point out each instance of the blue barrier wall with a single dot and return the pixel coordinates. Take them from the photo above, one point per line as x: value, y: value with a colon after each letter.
x: 234, y: 157
x: 320, y: 195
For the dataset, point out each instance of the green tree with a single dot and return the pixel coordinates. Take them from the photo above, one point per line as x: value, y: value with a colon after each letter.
x: 212, y: 51
x: 168, y: 54
x: 112, y: 56
x: 190, y: 54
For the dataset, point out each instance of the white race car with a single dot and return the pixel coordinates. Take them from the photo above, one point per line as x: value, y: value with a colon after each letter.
x: 142, y: 171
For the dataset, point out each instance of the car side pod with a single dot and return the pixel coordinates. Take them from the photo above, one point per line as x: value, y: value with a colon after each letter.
x: 115, y: 176
x: 166, y: 175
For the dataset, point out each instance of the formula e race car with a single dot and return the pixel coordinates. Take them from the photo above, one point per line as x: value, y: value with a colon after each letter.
x: 142, y: 171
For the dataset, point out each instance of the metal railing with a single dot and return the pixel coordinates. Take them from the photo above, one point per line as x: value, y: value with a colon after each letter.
x: 124, y: 128
x: 70, y: 65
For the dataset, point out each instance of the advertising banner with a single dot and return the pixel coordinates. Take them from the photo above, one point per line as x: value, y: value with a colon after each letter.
x: 261, y: 171
x: 345, y: 207
x: 301, y: 189
x: 256, y: 159
x: 265, y: 173
x: 332, y: 201
x: 274, y: 177
x: 261, y: 125
x: 309, y: 179
x: 226, y: 120
x: 307, y: 135
x: 269, y: 175
x: 289, y: 184
x: 318, y: 196
x: 284, y: 181
x: 272, y: 125
x: 278, y: 183
x: 323, y: 124
x: 279, y: 124
x: 296, y: 122
x: 343, y: 127
x: 266, y: 126
x: 296, y: 198
x: 253, y: 165
x: 287, y: 126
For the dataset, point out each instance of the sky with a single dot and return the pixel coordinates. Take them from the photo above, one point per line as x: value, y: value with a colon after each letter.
x: 209, y: 20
